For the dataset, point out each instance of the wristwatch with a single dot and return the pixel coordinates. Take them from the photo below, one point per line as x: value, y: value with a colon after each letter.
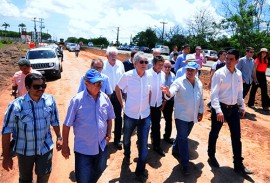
x: 59, y: 138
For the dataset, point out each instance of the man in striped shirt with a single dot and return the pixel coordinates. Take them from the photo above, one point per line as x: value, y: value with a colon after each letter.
x: 30, y: 117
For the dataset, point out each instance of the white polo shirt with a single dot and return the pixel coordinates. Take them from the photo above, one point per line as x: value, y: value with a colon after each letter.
x: 138, y: 90
x: 157, y: 80
x: 113, y: 72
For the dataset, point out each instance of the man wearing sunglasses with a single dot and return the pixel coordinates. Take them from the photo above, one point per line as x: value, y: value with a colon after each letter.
x: 90, y: 112
x: 98, y: 64
x: 246, y: 65
x: 30, y: 117
x: 137, y: 85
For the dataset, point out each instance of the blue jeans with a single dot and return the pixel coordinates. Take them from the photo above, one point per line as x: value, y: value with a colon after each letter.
x: 88, y: 168
x: 143, y: 127
x: 181, y: 143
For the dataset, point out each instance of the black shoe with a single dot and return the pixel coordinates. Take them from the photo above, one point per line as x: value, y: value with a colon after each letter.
x: 242, y: 169
x: 185, y: 170
x: 168, y: 140
x: 142, y: 177
x: 159, y: 151
x: 213, y: 162
x: 118, y: 145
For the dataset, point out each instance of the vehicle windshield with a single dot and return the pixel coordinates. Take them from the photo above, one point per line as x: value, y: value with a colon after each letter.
x: 39, y: 54
x: 72, y: 44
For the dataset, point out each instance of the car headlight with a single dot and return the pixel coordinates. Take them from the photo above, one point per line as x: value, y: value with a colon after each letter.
x: 51, y: 64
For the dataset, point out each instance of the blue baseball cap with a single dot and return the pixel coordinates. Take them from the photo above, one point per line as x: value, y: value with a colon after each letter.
x: 93, y: 76
x: 192, y: 65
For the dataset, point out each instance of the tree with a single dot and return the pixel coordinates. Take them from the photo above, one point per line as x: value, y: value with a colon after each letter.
x: 22, y: 25
x: 245, y: 22
x: 146, y: 38
x: 5, y: 25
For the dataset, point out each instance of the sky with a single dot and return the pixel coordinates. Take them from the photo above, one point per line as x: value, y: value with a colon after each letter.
x: 95, y: 18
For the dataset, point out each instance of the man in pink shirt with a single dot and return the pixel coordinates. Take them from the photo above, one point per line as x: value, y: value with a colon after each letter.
x: 18, y: 83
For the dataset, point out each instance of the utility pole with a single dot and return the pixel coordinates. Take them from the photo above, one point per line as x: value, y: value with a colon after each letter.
x: 41, y: 27
x: 117, y: 37
x: 163, y: 30
x: 35, y: 28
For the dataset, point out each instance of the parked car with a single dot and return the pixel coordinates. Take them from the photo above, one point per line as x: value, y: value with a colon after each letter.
x: 162, y: 48
x: 144, y: 49
x: 46, y: 61
x: 90, y: 44
x: 132, y: 48
x: 210, y: 54
x: 72, y: 47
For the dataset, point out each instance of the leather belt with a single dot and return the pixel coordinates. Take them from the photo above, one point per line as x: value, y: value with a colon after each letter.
x: 228, y: 106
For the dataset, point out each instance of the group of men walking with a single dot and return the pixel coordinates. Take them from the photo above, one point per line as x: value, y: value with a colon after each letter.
x: 143, y: 94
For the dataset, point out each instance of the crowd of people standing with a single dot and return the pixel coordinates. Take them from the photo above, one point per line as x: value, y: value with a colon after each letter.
x: 134, y: 94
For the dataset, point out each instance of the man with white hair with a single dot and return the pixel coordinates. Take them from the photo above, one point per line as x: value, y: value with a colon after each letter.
x: 114, y: 69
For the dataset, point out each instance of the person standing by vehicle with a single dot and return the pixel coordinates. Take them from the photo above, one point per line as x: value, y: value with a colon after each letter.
x: 30, y: 117
x: 136, y: 83
x: 199, y: 57
x: 246, y: 66
x: 227, y: 105
x: 90, y: 113
x: 114, y: 69
x: 188, y: 103
x: 168, y: 108
x: 77, y: 50
x: 259, y: 80
x: 18, y: 80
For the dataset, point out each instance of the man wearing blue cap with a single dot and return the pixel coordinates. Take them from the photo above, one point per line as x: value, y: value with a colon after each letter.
x: 188, y: 103
x: 90, y: 113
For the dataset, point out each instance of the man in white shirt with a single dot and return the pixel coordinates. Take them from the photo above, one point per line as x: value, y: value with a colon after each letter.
x: 114, y: 69
x: 136, y: 83
x: 188, y: 104
x: 156, y: 52
x: 156, y: 102
x: 227, y: 103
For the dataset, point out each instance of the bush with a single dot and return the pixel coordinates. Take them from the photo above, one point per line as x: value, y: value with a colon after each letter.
x: 6, y: 41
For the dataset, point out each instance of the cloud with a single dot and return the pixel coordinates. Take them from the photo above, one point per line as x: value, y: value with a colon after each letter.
x: 91, y: 19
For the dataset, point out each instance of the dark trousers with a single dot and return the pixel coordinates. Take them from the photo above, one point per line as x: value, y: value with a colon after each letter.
x: 263, y: 85
x: 155, y: 128
x: 167, y: 113
x: 43, y: 167
x: 118, y: 118
x: 232, y: 117
x: 246, y: 88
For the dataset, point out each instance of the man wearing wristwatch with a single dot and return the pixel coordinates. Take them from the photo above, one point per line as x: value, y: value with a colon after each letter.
x: 90, y: 112
x: 30, y: 117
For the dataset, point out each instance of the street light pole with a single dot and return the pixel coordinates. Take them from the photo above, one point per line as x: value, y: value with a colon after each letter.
x: 163, y: 30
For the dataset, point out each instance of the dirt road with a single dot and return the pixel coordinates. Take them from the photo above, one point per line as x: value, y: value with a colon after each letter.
x: 255, y: 139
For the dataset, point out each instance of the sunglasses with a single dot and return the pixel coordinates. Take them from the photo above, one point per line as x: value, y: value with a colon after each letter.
x: 167, y: 67
x: 36, y: 87
x: 251, y: 52
x: 97, y: 68
x: 143, y: 62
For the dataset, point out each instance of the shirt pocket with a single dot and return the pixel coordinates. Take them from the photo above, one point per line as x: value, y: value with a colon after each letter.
x: 27, y: 120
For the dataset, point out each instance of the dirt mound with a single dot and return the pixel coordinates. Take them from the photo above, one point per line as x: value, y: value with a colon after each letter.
x: 9, y: 58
